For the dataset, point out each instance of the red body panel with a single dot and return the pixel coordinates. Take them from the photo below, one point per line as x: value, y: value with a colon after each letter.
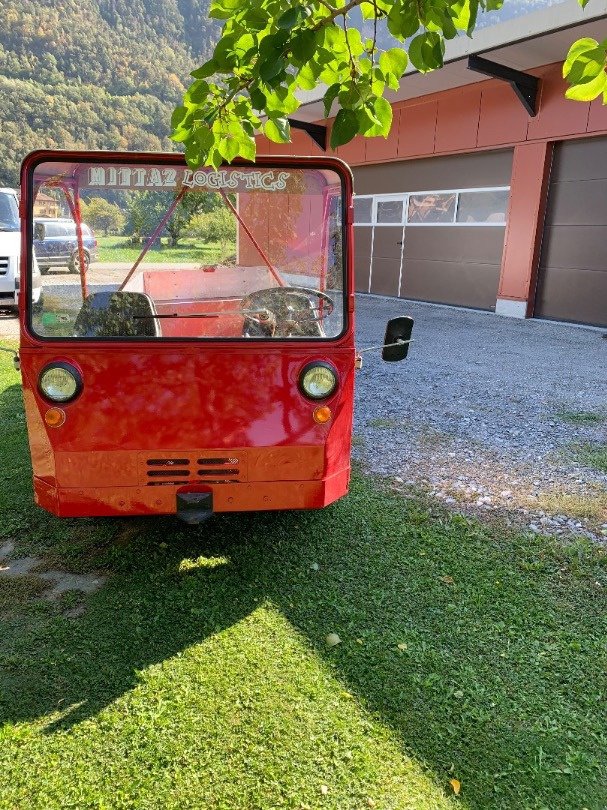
x: 220, y: 416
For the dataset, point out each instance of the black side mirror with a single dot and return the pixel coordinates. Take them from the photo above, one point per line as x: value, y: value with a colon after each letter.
x: 38, y: 231
x: 397, y: 339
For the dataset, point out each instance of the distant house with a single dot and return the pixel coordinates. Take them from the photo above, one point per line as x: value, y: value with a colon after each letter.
x: 46, y: 206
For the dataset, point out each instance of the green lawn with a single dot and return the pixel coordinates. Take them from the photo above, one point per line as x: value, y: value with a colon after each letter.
x: 120, y: 249
x: 199, y: 676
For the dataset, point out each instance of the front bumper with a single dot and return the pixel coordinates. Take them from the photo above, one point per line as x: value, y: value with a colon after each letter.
x: 162, y: 500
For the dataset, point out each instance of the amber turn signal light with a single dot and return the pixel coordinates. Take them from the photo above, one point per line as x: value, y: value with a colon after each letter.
x: 322, y: 414
x: 54, y: 417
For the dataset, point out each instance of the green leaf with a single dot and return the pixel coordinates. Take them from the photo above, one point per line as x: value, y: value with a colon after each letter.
x: 281, y: 100
x: 426, y: 51
x: 224, y: 9
x: 330, y: 97
x: 402, y: 21
x: 303, y: 46
x: 383, y: 112
x: 578, y: 48
x: 307, y: 78
x: 179, y: 113
x: 587, y: 66
x: 278, y: 130
x: 271, y: 67
x: 196, y: 92
x: 258, y: 99
x: 380, y: 114
x: 247, y: 148
x: 255, y: 18
x: 290, y: 18
x: 228, y: 148
x: 206, y: 70
x: 589, y: 90
x: 394, y: 61
x: 197, y: 147
x: 344, y: 128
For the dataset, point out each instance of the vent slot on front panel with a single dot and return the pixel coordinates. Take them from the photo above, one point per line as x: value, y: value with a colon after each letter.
x: 216, y: 461
x: 222, y: 471
x: 168, y: 462
x: 3, y: 265
x: 168, y: 473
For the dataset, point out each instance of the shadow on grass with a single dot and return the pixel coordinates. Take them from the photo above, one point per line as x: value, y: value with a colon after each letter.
x: 479, y: 650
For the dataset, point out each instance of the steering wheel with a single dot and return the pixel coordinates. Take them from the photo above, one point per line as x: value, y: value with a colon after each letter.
x: 285, y: 312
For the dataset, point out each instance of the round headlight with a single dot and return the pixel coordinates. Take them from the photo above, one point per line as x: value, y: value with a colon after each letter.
x: 60, y: 382
x: 318, y: 380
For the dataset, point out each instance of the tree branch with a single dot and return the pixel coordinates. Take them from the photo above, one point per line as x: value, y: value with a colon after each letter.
x: 336, y: 13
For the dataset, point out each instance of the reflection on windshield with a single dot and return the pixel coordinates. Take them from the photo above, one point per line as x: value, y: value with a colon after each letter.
x: 9, y: 212
x: 170, y: 253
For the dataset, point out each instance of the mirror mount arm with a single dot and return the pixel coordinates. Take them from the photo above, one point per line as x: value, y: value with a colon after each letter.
x: 385, y: 346
x: 358, y: 360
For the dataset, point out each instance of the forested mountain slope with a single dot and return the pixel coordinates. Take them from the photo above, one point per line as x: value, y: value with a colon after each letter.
x: 94, y: 73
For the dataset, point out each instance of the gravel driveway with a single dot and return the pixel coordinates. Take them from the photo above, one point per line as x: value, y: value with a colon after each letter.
x: 486, y: 412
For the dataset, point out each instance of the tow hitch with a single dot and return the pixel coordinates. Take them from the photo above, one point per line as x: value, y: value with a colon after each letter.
x: 194, y: 507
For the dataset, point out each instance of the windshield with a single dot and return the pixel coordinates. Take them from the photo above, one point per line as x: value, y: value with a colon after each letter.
x: 166, y: 252
x: 9, y: 212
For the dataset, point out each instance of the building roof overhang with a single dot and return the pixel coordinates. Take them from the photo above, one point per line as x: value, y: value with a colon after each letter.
x: 524, y: 43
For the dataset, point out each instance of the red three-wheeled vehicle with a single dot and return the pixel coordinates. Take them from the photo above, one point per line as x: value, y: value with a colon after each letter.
x: 203, y: 363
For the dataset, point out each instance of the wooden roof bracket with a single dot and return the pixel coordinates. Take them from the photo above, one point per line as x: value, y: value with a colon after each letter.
x: 317, y: 132
x: 524, y: 85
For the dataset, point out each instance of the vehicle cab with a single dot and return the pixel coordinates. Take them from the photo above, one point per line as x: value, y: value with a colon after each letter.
x: 212, y: 371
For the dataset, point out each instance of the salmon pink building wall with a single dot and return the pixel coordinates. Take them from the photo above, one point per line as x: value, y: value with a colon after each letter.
x: 485, y: 115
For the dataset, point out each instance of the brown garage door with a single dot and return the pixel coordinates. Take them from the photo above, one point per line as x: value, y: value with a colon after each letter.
x: 572, y: 279
x: 454, y: 261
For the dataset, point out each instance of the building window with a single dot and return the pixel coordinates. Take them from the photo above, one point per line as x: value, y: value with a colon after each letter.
x: 432, y: 208
x: 482, y: 206
x: 456, y: 207
x: 390, y: 212
x: 363, y: 209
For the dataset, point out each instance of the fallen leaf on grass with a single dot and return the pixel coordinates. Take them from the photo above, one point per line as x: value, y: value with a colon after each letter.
x: 332, y: 640
x: 324, y: 790
x: 447, y: 580
x: 402, y: 646
x: 455, y: 785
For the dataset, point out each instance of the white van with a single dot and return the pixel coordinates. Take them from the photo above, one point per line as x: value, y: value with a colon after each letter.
x: 10, y: 252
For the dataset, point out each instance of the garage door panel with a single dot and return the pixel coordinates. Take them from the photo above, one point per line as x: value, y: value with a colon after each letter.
x: 470, y: 285
x: 362, y: 258
x: 455, y: 171
x: 387, y: 242
x: 570, y: 246
x: 384, y: 279
x: 464, y: 244
x: 564, y: 294
x: 578, y: 202
x: 580, y: 160
x: 572, y: 276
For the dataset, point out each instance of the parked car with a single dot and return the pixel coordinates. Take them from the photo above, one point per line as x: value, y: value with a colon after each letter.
x: 56, y: 245
x: 10, y: 253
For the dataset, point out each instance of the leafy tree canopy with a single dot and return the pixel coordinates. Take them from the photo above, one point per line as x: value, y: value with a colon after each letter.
x: 270, y: 50
x: 94, y: 74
